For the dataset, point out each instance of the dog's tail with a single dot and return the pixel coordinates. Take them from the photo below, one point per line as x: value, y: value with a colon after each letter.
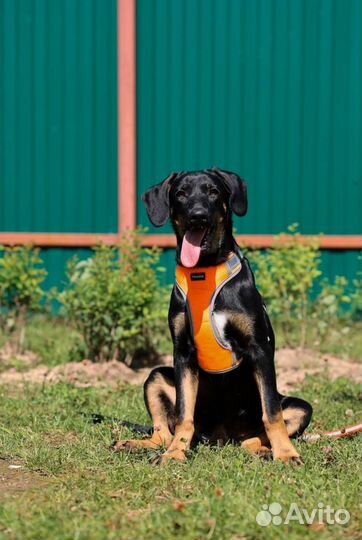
x: 97, y: 418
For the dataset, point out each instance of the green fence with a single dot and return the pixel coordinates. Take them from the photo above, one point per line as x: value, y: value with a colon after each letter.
x: 269, y: 88
x: 58, y: 132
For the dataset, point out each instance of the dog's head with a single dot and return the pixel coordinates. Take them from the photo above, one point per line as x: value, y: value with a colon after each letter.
x: 199, y: 205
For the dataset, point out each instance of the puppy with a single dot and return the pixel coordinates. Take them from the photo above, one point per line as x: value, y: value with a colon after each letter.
x: 223, y: 384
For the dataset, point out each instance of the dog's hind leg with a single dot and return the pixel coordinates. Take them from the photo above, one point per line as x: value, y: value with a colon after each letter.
x: 296, y: 414
x: 160, y: 398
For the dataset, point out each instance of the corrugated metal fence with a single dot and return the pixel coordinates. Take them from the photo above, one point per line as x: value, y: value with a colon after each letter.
x: 58, y: 138
x: 269, y: 88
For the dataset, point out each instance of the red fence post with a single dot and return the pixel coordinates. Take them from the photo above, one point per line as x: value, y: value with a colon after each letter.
x: 127, y: 190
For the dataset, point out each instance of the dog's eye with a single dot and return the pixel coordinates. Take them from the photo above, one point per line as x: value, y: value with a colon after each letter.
x: 213, y: 193
x: 180, y: 195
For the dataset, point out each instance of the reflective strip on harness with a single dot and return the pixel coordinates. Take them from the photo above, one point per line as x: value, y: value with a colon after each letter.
x: 200, y: 287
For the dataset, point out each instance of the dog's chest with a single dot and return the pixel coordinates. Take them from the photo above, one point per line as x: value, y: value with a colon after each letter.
x: 200, y: 288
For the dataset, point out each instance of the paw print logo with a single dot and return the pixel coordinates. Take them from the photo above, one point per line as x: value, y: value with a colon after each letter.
x: 269, y: 514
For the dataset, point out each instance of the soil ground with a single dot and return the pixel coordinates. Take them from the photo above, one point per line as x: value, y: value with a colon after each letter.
x: 16, y: 480
x: 292, y: 366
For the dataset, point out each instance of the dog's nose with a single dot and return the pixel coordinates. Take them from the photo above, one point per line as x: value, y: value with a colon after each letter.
x: 198, y: 216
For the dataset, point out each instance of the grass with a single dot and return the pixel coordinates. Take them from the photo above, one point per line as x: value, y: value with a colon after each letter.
x: 51, y: 339
x: 94, y: 494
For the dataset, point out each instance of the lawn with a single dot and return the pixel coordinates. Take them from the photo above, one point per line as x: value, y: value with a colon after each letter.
x: 81, y: 490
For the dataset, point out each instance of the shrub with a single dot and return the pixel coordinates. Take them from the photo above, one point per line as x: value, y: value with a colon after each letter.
x: 330, y: 308
x: 21, y: 279
x: 356, y: 297
x: 113, y: 299
x: 337, y: 307
x: 285, y: 275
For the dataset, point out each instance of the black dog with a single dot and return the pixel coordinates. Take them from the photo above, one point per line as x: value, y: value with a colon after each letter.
x: 235, y: 397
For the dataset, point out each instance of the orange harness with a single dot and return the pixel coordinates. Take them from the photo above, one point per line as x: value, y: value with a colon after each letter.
x: 200, y: 287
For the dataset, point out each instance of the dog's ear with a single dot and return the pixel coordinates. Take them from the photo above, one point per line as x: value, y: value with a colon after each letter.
x: 157, y: 202
x: 237, y: 188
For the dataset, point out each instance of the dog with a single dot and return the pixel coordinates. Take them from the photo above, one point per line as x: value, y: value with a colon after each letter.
x: 223, y: 384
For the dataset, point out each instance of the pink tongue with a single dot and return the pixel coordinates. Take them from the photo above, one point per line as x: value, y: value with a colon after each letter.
x: 191, y: 247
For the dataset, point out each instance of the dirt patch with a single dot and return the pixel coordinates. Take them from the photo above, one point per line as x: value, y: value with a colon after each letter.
x: 292, y: 366
x: 15, y: 480
x: 81, y: 374
x: 8, y: 355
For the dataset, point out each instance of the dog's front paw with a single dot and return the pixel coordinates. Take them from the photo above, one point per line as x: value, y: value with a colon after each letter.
x: 173, y: 455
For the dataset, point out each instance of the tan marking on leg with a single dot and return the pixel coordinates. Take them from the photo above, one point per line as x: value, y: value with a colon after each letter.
x: 161, y: 433
x: 257, y: 445
x: 293, y: 417
x: 179, y: 323
x: 161, y: 436
x: 185, y: 429
x: 276, y: 432
x: 243, y: 322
